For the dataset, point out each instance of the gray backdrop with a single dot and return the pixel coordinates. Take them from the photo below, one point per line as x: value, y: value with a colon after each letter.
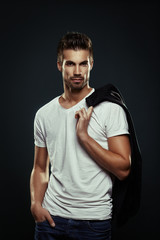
x: 125, y: 40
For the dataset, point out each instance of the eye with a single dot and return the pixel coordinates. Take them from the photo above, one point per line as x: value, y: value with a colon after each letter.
x: 85, y: 64
x: 69, y: 63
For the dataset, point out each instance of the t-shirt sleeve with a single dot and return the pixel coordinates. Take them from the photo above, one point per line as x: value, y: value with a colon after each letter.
x: 116, y: 121
x: 39, y: 132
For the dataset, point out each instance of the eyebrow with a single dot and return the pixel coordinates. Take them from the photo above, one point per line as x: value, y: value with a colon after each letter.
x: 83, y: 62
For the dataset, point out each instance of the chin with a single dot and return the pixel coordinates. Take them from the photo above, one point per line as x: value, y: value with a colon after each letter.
x: 79, y: 86
x: 76, y: 86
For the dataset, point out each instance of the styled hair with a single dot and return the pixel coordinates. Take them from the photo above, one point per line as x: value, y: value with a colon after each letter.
x: 75, y: 41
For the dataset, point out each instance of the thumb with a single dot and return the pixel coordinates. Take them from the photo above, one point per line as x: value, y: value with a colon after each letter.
x: 50, y: 220
x: 89, y: 112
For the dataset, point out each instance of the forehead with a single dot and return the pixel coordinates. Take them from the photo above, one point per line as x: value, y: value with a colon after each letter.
x: 76, y: 55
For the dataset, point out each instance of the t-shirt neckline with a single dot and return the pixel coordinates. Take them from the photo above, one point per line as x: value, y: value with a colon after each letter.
x: 74, y: 106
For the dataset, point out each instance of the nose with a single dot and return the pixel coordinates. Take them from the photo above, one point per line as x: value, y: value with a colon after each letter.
x: 77, y: 70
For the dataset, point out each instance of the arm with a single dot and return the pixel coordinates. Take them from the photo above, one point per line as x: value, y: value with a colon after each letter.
x: 38, y: 185
x: 115, y: 160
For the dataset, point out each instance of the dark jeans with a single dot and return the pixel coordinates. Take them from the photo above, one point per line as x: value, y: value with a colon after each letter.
x: 69, y: 229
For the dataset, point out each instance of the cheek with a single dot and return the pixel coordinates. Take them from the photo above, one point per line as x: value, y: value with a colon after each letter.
x: 66, y: 73
x: 86, y: 73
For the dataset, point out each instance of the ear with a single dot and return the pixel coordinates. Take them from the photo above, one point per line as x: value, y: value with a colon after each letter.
x: 59, y: 66
x: 91, y: 64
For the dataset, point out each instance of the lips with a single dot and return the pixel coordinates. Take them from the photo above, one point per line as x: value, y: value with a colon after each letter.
x: 77, y: 80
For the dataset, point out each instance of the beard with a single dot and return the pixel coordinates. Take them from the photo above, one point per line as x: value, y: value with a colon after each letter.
x: 74, y: 84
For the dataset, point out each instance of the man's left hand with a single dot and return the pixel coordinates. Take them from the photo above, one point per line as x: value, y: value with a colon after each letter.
x: 83, y: 118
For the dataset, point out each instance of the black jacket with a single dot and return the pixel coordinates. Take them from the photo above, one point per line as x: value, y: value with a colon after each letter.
x: 126, y: 194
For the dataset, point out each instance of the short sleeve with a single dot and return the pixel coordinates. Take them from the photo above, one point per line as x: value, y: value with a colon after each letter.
x: 116, y: 123
x: 39, y: 133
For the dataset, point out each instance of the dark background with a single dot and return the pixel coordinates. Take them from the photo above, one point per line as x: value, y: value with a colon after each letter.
x: 125, y: 40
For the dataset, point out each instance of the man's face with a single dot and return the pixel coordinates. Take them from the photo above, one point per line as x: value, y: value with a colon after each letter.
x: 75, y: 68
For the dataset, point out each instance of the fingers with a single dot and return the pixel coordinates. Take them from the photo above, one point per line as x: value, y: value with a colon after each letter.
x: 77, y: 115
x: 40, y: 214
x: 50, y: 220
x: 89, y: 112
x: 83, y: 118
x: 82, y: 113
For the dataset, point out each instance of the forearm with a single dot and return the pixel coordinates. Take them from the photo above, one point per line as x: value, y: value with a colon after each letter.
x: 115, y: 160
x: 112, y: 162
x: 38, y: 185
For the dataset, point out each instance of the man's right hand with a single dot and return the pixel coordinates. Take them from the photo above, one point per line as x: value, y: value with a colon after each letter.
x: 40, y: 214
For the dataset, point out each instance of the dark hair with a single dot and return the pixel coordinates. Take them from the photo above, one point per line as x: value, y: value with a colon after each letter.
x: 75, y: 41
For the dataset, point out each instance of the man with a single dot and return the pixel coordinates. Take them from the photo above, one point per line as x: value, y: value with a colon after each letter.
x: 87, y: 148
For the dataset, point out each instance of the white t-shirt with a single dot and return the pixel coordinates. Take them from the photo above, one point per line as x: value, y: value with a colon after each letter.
x: 78, y: 188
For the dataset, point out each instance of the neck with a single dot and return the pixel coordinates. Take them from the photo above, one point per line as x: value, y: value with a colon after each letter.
x: 75, y: 95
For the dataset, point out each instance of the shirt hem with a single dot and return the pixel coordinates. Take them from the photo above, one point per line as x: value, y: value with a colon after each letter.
x: 54, y: 214
x: 118, y: 133
x: 39, y: 145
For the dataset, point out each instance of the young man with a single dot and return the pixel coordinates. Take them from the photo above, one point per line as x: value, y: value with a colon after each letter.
x: 87, y: 148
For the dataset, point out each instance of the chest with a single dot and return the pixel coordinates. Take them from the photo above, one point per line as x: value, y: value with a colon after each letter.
x: 61, y: 127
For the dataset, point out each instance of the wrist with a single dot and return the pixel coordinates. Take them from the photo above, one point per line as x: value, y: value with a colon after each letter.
x: 83, y: 137
x: 35, y: 205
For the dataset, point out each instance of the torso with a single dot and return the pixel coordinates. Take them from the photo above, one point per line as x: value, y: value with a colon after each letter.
x: 78, y: 187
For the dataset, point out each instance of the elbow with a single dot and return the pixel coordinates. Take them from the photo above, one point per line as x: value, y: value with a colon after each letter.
x: 123, y: 175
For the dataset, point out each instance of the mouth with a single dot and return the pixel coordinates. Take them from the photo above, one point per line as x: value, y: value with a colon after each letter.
x: 76, y: 80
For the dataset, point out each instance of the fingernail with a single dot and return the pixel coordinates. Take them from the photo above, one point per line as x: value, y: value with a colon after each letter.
x: 53, y: 225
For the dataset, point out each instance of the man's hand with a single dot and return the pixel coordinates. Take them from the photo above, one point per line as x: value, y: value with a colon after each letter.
x: 83, y: 118
x: 40, y: 214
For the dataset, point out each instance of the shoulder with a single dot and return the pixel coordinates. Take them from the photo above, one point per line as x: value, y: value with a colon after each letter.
x: 109, y: 112
x: 108, y: 107
x: 47, y: 108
